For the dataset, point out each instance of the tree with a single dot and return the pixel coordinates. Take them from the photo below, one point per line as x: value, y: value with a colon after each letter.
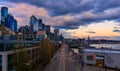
x: 20, y: 59
x: 47, y: 50
x: 44, y: 55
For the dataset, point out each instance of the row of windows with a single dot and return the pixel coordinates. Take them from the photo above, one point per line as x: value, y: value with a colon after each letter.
x: 89, y: 58
x: 32, y: 55
x: 14, y: 46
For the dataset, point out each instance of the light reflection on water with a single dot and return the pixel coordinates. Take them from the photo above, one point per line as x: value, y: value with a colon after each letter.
x: 112, y: 46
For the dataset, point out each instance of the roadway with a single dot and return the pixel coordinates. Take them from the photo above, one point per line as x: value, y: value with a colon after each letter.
x: 63, y: 61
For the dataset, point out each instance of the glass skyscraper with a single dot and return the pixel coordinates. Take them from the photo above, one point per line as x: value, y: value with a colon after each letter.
x: 10, y: 22
x: 40, y: 24
x: 43, y: 26
x: 4, y: 13
x: 34, y: 24
x: 15, y: 26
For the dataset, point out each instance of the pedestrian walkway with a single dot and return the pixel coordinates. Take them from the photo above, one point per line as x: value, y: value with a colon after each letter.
x: 94, y: 68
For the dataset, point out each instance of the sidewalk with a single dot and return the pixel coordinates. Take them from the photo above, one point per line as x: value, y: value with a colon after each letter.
x: 94, y: 68
x: 88, y: 67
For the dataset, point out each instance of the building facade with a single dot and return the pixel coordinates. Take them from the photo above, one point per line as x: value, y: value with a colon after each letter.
x: 48, y: 28
x: 43, y: 26
x: 15, y: 26
x: 4, y: 13
x: 10, y: 22
x: 34, y: 24
x: 40, y: 24
x: 6, y: 53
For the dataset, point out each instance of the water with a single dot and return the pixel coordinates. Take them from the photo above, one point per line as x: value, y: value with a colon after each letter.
x: 112, y: 46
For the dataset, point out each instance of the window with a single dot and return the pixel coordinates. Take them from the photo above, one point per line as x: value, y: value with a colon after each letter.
x: 0, y: 59
x: 1, y: 47
x: 89, y: 58
x: 0, y: 62
x: 0, y: 68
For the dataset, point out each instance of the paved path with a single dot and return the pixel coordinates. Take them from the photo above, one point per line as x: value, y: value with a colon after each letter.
x: 63, y: 61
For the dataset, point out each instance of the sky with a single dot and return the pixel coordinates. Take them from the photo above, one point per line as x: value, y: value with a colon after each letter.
x: 100, y: 19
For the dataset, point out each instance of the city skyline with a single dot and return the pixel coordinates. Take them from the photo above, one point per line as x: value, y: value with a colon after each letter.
x: 83, y: 18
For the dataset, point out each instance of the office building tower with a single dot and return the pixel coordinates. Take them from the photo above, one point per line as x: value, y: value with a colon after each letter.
x: 34, y: 24
x: 48, y: 28
x: 40, y: 24
x: 15, y: 26
x: 10, y: 22
x: 22, y: 29
x: 40, y: 20
x: 43, y: 26
x: 4, y: 13
x: 27, y: 28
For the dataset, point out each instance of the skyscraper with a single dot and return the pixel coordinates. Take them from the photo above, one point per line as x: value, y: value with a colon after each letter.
x: 48, y: 28
x: 15, y: 25
x: 43, y: 26
x: 22, y: 29
x: 10, y: 22
x: 40, y: 20
x: 34, y: 24
x: 40, y: 24
x: 4, y: 13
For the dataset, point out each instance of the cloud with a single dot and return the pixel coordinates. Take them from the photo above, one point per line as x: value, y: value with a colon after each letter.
x: 91, y: 32
x: 116, y: 27
x: 60, y: 7
x: 65, y: 34
x: 63, y: 7
x: 69, y: 25
x: 116, y: 30
x: 106, y: 37
x: 22, y: 12
x: 65, y: 14
x: 101, y: 37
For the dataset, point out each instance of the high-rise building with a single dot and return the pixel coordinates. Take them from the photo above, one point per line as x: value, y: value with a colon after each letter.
x: 43, y: 26
x: 22, y: 29
x: 10, y: 22
x: 48, y: 28
x: 40, y: 20
x: 40, y: 24
x: 15, y: 26
x: 34, y: 24
x: 4, y: 13
x: 27, y: 28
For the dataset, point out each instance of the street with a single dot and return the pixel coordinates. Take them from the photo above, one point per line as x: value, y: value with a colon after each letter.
x: 63, y: 61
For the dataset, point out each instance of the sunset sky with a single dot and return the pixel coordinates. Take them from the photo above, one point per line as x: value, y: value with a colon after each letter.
x: 100, y: 19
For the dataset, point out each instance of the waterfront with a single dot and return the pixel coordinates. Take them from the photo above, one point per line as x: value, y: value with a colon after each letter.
x: 111, y: 46
x: 60, y: 35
